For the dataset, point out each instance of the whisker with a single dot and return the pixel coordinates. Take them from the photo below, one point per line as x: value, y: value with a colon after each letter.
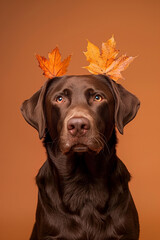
x: 102, y: 140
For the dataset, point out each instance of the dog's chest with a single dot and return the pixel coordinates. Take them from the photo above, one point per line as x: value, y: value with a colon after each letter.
x: 87, y: 202
x: 85, y: 198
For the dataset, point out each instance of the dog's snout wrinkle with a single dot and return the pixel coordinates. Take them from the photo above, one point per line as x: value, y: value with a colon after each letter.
x: 78, y: 126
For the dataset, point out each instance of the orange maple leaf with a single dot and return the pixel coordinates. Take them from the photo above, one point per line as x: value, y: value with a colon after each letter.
x: 53, y: 67
x: 106, y: 62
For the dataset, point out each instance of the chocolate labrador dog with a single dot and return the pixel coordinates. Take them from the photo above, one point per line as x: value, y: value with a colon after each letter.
x: 83, y: 185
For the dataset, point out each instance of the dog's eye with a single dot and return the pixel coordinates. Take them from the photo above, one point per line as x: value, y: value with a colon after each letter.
x: 98, y: 98
x: 59, y: 99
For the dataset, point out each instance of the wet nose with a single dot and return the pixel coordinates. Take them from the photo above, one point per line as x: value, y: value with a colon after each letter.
x: 78, y: 126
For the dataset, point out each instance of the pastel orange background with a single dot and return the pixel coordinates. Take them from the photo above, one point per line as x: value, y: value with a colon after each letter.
x: 37, y: 26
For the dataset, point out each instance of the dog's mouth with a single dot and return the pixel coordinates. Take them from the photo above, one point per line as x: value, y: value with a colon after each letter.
x: 81, y: 145
x: 79, y: 148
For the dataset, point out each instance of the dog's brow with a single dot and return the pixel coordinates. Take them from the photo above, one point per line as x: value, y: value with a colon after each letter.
x: 66, y: 91
x: 90, y: 90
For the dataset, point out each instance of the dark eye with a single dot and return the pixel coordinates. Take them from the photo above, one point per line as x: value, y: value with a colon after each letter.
x: 59, y: 99
x: 98, y: 98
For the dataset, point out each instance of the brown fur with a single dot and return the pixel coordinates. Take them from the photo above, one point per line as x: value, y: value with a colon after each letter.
x: 83, y: 185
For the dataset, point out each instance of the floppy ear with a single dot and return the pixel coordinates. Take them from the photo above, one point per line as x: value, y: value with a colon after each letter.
x: 126, y: 105
x: 33, y: 110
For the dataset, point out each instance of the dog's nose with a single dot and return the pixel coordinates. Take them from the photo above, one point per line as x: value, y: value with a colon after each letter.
x: 78, y: 126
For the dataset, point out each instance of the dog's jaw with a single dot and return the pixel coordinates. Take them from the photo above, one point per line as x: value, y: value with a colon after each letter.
x: 80, y: 146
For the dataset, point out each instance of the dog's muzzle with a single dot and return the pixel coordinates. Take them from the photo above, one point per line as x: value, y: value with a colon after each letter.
x: 79, y: 133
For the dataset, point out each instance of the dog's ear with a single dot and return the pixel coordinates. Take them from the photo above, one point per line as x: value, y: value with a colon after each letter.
x: 126, y: 105
x: 33, y: 110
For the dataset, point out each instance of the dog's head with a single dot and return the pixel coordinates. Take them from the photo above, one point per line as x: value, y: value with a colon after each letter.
x: 80, y: 112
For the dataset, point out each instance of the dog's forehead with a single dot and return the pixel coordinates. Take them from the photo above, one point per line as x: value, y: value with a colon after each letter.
x: 80, y: 83
x: 83, y: 82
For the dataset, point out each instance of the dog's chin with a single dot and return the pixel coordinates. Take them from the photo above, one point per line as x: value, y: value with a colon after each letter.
x: 81, y: 148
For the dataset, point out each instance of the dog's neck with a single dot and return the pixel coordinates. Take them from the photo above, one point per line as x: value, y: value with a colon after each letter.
x: 82, y: 172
